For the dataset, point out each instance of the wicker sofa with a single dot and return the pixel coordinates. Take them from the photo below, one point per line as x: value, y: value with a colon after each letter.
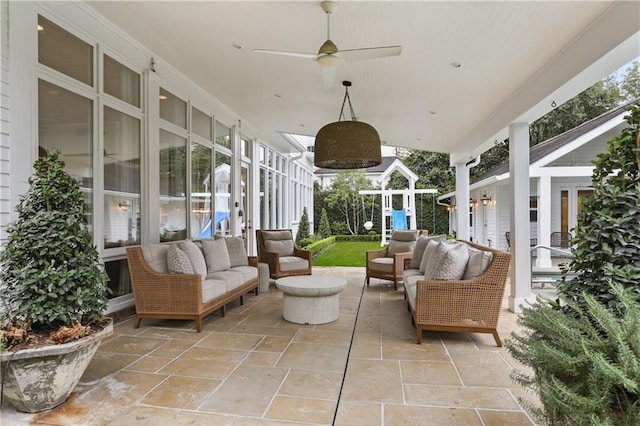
x: 190, y: 279
x: 458, y: 286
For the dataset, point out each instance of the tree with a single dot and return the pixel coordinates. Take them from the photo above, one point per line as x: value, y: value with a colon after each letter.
x: 325, y: 229
x: 607, y: 237
x: 303, y: 227
x: 345, y: 197
x: 630, y: 84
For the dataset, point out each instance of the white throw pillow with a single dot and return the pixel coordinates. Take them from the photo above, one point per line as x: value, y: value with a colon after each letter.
x: 453, y: 263
x: 428, y: 251
x: 216, y: 255
x: 237, y: 252
x: 479, y: 261
x: 195, y: 257
x: 418, y: 251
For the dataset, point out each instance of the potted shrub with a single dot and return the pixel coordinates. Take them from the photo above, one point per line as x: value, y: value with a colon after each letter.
x: 53, y: 291
x: 584, y: 348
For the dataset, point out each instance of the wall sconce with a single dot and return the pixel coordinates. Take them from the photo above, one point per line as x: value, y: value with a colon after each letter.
x: 472, y: 203
x: 451, y: 207
x: 485, y: 200
x: 124, y: 206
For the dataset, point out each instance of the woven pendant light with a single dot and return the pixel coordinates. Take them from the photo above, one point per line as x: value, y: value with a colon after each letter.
x: 347, y: 144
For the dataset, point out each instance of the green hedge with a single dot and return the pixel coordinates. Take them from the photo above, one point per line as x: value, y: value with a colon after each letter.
x: 320, y: 245
x: 364, y: 237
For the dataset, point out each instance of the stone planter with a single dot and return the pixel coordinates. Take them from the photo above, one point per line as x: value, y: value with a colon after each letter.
x: 42, y: 378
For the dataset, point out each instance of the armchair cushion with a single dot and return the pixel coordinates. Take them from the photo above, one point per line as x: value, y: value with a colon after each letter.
x: 421, y: 245
x: 282, y: 247
x: 237, y: 252
x: 216, y: 255
x: 453, y: 264
x: 293, y: 263
x: 384, y: 264
x: 195, y: 257
x: 400, y: 247
x: 478, y: 262
x: 177, y: 261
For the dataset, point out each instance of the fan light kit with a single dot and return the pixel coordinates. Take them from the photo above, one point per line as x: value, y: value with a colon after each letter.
x: 347, y: 144
x: 329, y: 56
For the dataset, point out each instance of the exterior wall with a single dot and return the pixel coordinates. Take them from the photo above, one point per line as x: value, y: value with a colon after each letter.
x: 5, y: 176
x: 19, y: 142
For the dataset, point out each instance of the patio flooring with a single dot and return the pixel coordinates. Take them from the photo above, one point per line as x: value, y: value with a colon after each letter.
x: 253, y: 368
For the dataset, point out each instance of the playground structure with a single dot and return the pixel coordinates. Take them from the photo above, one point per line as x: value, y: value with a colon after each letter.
x: 397, y: 219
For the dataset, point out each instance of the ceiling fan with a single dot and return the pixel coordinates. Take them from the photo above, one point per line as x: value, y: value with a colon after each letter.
x: 329, y: 55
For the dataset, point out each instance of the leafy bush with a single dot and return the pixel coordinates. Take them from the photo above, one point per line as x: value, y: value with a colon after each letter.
x: 607, y: 239
x: 324, y: 230
x: 318, y: 246
x: 305, y: 242
x: 362, y: 237
x: 587, y: 364
x: 584, y: 349
x: 49, y: 267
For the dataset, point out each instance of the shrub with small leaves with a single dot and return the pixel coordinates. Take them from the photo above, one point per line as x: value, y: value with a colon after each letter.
x: 49, y: 267
x: 303, y: 228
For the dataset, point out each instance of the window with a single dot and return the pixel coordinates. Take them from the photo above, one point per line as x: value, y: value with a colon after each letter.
x: 173, y: 109
x: 121, y: 82
x: 65, y: 123
x: 223, y: 135
x: 119, y: 282
x: 173, y: 182
x: 222, y: 201
x: 64, y: 52
x: 202, y: 221
x: 201, y: 124
x: 121, y: 179
x: 533, y: 208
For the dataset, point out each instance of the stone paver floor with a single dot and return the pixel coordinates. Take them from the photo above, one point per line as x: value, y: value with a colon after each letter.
x: 253, y: 368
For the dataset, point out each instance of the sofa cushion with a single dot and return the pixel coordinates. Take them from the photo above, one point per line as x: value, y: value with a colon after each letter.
x: 479, y: 261
x: 404, y: 235
x: 232, y: 279
x: 293, y: 263
x: 421, y: 245
x: 384, y: 264
x: 452, y: 264
x: 156, y: 256
x: 212, y: 288
x: 428, y: 251
x: 237, y: 252
x: 282, y: 247
x: 177, y: 261
x: 216, y: 255
x: 250, y: 272
x: 400, y: 247
x: 413, y: 280
x: 195, y: 257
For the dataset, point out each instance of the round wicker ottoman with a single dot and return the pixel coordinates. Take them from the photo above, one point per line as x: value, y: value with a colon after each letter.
x: 310, y: 299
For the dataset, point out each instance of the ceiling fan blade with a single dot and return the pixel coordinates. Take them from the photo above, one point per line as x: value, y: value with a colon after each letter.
x: 295, y: 54
x: 329, y: 79
x: 369, y: 53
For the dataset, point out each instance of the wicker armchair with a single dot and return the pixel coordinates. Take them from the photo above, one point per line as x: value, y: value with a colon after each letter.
x: 277, y: 249
x: 176, y: 296
x: 389, y: 263
x: 464, y: 306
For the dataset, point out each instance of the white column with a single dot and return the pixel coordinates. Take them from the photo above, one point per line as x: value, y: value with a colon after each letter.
x: 520, y: 273
x: 543, y: 259
x: 462, y: 202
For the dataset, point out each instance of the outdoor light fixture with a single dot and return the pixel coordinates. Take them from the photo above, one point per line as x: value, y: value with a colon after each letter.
x: 485, y: 200
x: 124, y: 206
x: 347, y: 144
x: 472, y: 202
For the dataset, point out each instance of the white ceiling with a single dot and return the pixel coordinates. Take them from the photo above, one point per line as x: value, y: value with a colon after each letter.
x: 516, y: 57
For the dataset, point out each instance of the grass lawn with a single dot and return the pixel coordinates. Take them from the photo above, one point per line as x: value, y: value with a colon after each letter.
x: 346, y: 254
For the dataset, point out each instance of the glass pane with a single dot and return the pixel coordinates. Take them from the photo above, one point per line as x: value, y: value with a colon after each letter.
x: 244, y: 147
x: 64, y: 52
x: 173, y: 109
x: 223, y: 135
x: 244, y: 188
x: 118, y: 272
x: 201, y: 124
x: 223, y: 194
x: 263, y: 212
x: 564, y: 211
x: 201, y: 226
x: 262, y: 154
x: 121, y: 82
x: 121, y: 179
x: 173, y: 183
x: 65, y: 124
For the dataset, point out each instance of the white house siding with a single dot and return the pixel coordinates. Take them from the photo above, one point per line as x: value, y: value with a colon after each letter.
x: 5, y: 178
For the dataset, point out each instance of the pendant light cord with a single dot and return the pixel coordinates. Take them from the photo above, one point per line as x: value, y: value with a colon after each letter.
x: 346, y: 98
